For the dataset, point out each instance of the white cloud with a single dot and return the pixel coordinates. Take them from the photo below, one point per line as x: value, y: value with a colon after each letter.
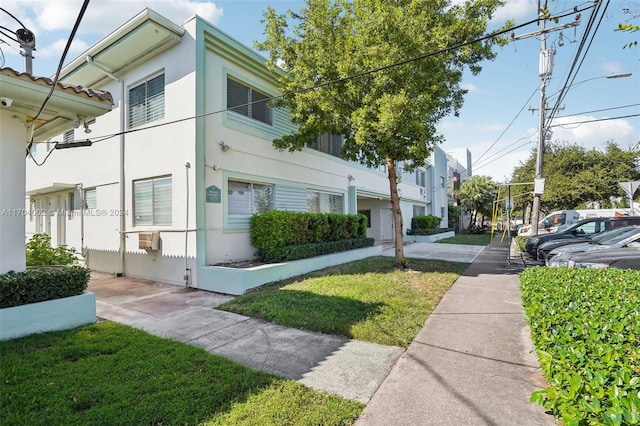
x: 55, y: 49
x: 491, y: 127
x: 516, y: 10
x: 450, y: 125
x: 595, y: 134
x: 611, y: 67
x: 469, y: 87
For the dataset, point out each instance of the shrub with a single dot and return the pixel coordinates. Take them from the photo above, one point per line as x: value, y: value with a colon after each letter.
x: 585, y: 325
x: 40, y: 252
x: 39, y: 285
x: 304, y: 251
x: 425, y: 222
x: 521, y: 240
x: 273, y: 230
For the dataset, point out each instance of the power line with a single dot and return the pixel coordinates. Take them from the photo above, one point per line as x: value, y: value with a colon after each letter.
x: 336, y: 81
x: 598, y: 110
x: 595, y: 120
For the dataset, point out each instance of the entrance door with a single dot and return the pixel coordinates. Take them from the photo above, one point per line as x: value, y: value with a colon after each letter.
x: 386, y: 225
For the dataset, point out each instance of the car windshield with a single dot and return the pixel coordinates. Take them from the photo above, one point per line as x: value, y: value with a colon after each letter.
x: 600, y: 236
x: 615, y: 239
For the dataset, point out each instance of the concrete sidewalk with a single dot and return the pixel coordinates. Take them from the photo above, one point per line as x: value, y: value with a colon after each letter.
x: 472, y: 363
x: 349, y: 368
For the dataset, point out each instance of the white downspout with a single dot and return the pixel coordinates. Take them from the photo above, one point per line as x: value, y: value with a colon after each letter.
x: 123, y: 223
x: 187, y: 271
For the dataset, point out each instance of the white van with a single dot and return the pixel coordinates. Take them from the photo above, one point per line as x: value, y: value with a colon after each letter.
x: 553, y: 220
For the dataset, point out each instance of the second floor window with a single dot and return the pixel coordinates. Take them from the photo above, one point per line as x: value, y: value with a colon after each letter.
x: 248, y: 101
x: 146, y: 101
x: 421, y: 178
x: 329, y: 144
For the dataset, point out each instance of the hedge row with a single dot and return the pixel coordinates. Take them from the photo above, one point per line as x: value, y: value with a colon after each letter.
x: 277, y: 229
x: 39, y: 285
x: 424, y: 225
x: 585, y: 325
x: 304, y: 251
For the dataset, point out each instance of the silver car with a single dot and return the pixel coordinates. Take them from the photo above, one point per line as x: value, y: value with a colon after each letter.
x: 628, y: 238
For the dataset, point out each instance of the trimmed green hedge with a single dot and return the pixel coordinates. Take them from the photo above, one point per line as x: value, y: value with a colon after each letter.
x: 585, y: 325
x: 424, y: 225
x: 39, y: 285
x: 275, y: 230
x: 304, y: 251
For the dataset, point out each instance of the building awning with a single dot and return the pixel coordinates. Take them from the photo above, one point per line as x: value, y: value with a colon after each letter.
x: 54, y: 187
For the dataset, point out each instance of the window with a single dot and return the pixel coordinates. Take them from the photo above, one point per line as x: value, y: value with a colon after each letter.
x: 248, y: 101
x: 247, y: 198
x: 146, y: 101
x: 421, y: 178
x: 323, y: 202
x: 152, y: 201
x: 367, y: 213
x: 329, y: 144
x: 90, y: 198
x: 67, y: 137
x: 418, y: 210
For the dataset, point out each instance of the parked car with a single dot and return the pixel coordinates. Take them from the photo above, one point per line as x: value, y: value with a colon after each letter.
x: 629, y: 238
x: 545, y: 248
x: 622, y: 258
x: 580, y: 229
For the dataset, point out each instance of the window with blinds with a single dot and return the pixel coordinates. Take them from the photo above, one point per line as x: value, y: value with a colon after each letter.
x: 90, y: 198
x: 248, y: 101
x: 68, y: 136
x: 329, y: 144
x: 421, y: 178
x: 152, y: 201
x: 146, y: 101
x: 323, y: 202
x: 245, y: 199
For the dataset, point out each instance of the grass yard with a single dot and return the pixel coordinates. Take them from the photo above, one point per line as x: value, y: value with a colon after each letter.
x: 471, y: 239
x: 367, y: 300
x: 109, y: 374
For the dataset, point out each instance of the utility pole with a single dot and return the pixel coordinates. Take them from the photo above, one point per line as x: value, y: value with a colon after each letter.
x: 545, y: 70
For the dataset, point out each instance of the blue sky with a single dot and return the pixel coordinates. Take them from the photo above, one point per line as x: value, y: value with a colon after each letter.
x: 495, y: 124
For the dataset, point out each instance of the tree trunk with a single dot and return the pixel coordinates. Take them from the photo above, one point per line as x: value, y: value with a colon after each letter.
x: 397, y: 214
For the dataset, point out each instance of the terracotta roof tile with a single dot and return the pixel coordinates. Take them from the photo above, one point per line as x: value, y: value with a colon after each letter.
x: 102, y: 95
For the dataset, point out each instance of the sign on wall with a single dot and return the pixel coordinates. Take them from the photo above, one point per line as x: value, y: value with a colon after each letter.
x: 213, y: 194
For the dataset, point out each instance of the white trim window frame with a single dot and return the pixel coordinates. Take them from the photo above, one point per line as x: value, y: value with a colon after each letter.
x: 152, y: 200
x: 146, y: 101
x: 246, y: 100
x: 324, y: 202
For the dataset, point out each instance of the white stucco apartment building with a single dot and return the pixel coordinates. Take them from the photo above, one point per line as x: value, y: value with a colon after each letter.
x: 174, y: 164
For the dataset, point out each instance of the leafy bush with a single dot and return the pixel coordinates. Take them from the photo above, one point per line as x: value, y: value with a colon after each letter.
x: 520, y: 240
x: 39, y: 285
x: 585, y: 325
x: 273, y: 230
x: 40, y: 252
x: 304, y: 251
x: 425, y: 222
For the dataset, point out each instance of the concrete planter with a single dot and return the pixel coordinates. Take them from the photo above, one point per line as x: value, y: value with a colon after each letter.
x: 52, y: 315
x: 237, y: 281
x: 428, y: 238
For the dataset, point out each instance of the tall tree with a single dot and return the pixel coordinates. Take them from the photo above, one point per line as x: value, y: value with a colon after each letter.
x: 388, y: 116
x: 575, y: 176
x: 476, y: 196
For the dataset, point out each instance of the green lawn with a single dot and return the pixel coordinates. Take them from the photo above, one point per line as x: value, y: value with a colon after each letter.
x: 366, y: 300
x: 472, y: 239
x: 109, y: 374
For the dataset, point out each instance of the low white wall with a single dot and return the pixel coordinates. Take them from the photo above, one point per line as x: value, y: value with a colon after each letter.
x: 237, y: 281
x: 428, y: 238
x: 52, y: 315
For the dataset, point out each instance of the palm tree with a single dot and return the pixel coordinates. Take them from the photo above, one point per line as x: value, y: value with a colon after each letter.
x: 476, y: 196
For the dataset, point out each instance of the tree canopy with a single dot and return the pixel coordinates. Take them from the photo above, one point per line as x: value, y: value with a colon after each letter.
x: 476, y: 196
x: 575, y: 176
x: 359, y: 56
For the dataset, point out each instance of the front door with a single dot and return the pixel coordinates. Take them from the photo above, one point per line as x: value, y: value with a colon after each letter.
x: 386, y: 225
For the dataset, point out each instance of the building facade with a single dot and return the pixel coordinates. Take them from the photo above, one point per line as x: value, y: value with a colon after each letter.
x: 185, y: 158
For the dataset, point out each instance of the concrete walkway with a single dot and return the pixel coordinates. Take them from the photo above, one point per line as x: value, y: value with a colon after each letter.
x: 349, y: 368
x: 472, y: 363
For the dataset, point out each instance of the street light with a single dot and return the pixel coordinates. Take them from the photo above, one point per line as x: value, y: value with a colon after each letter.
x: 539, y: 181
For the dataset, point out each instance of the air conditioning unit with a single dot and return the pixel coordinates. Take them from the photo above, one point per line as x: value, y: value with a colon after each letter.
x: 149, y: 241
x: 423, y: 192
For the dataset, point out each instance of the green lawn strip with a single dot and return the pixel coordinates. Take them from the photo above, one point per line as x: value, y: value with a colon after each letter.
x: 366, y: 300
x: 471, y: 239
x: 109, y: 374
